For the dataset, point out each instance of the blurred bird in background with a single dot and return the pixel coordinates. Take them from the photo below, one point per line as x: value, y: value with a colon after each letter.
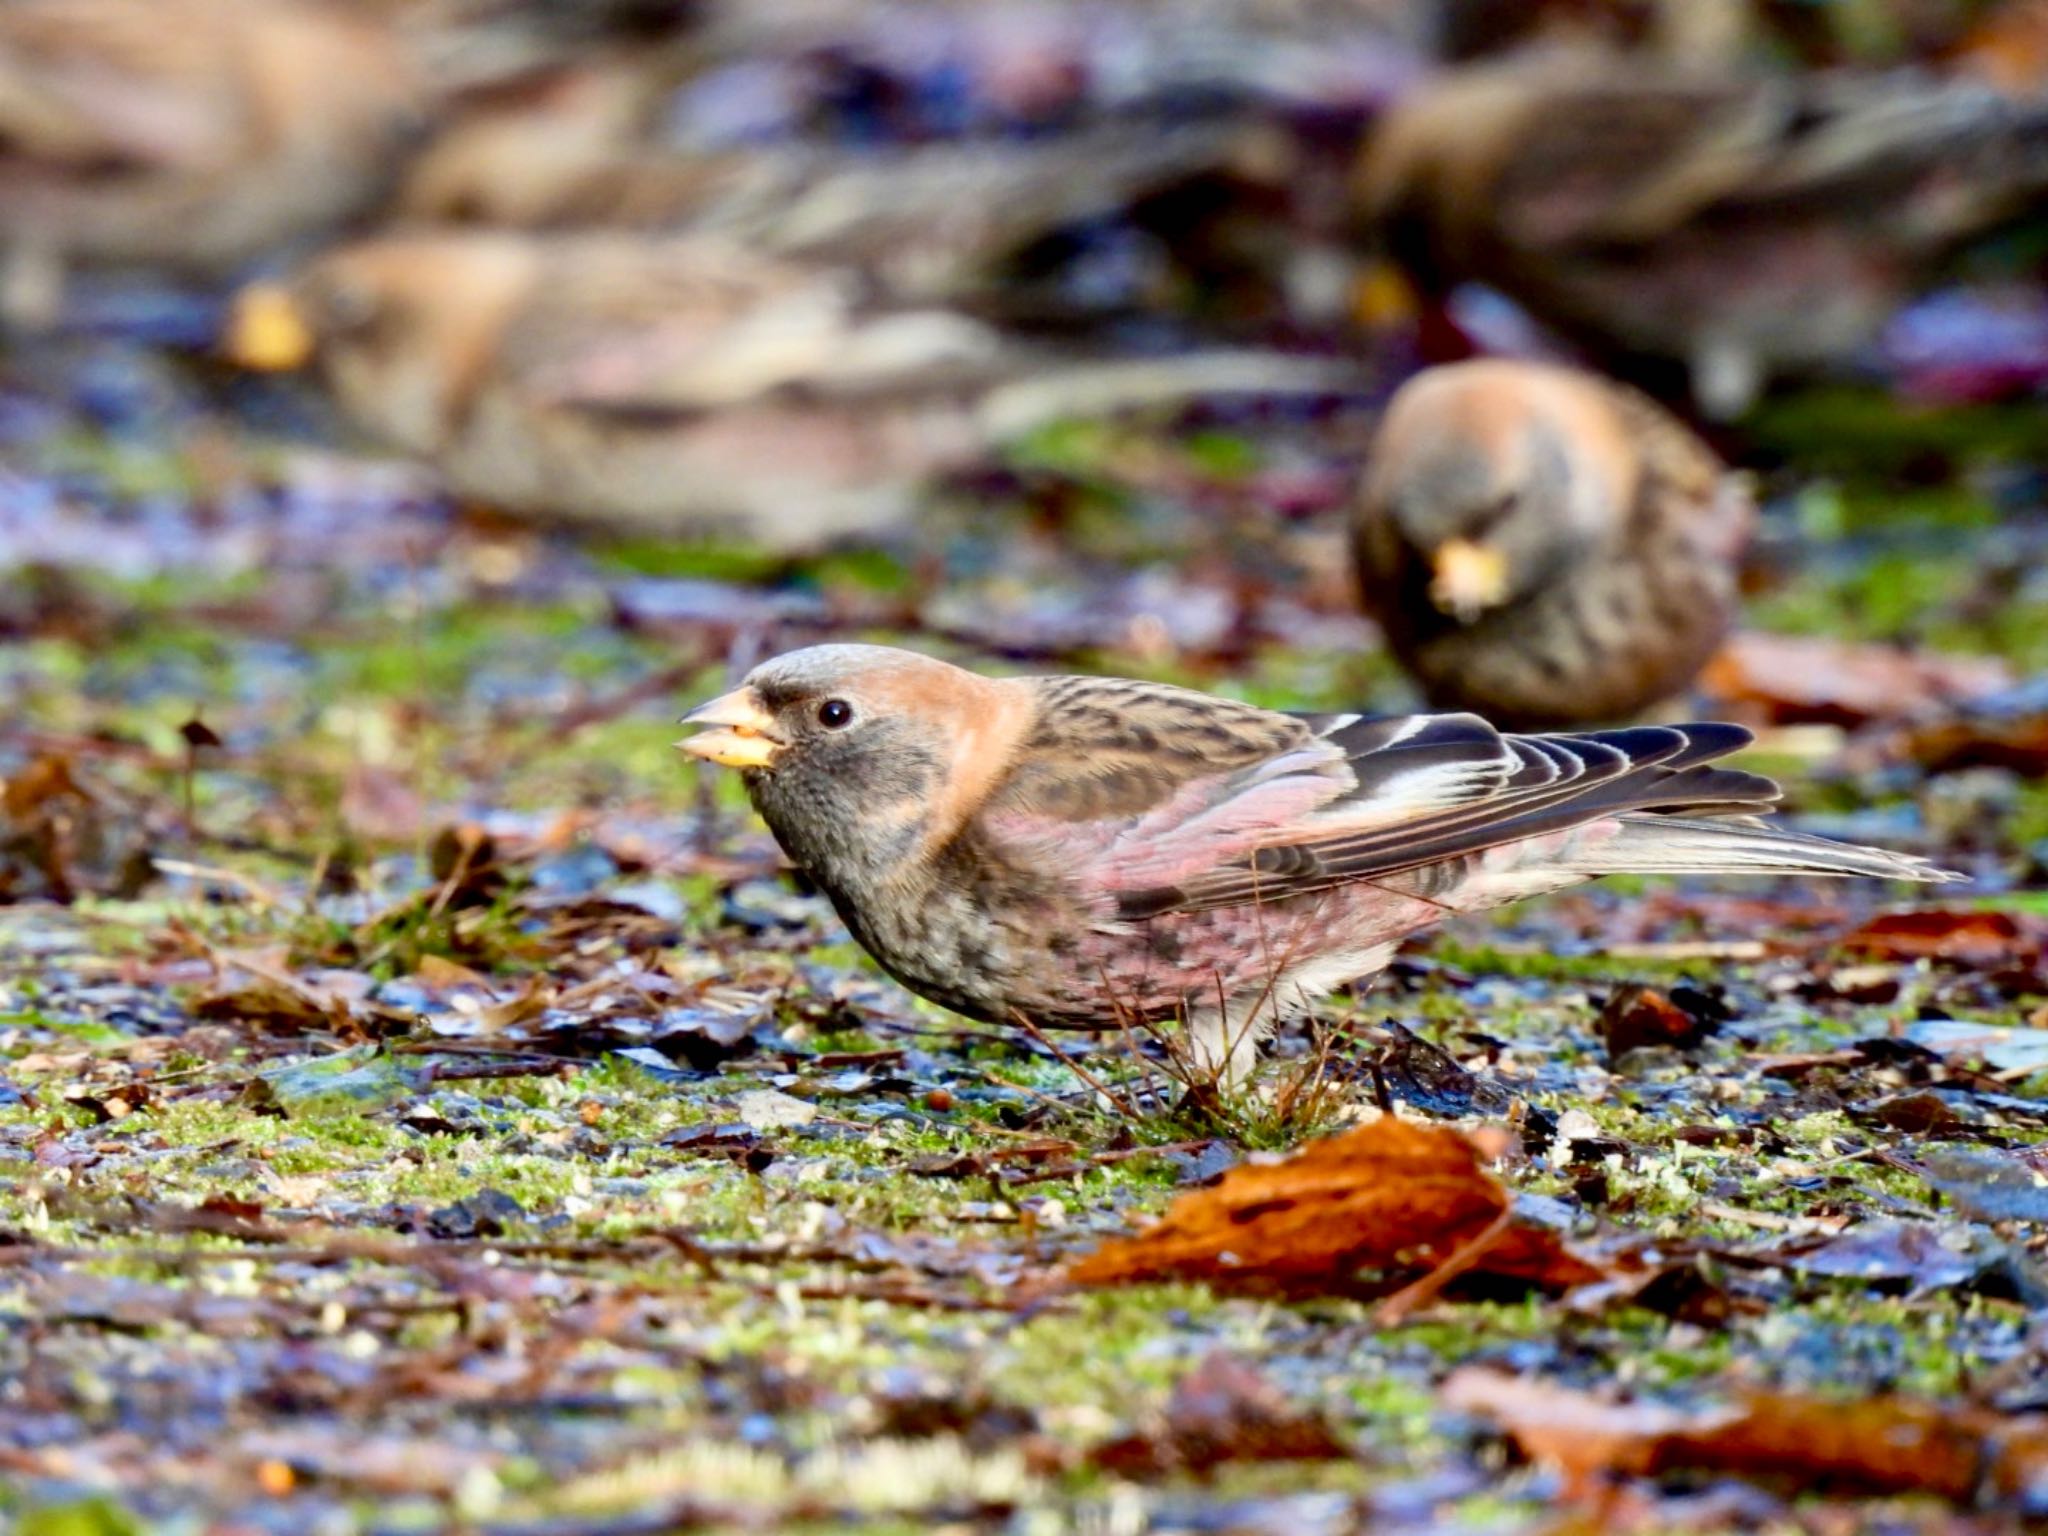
x: 688, y: 385
x: 188, y: 133
x: 931, y: 220
x: 1544, y: 546
x: 1735, y: 227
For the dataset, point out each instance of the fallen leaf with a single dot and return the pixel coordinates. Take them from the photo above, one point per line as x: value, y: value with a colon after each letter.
x: 218, y: 1215
x: 440, y: 974
x: 2007, y: 730
x: 1987, y: 1185
x: 1222, y: 1411
x: 991, y: 1161
x: 347, y: 1082
x: 487, y: 1213
x: 2002, y: 1047
x: 45, y: 779
x: 735, y: 1142
x: 1635, y: 1018
x: 1928, y: 1255
x: 1871, y: 1445
x: 1416, y: 1072
x: 2008, y: 48
x: 1971, y: 936
x: 1389, y: 1197
x: 770, y: 1109
x: 1806, y: 679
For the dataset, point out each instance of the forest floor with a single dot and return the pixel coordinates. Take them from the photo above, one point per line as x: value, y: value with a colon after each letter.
x: 426, y: 1102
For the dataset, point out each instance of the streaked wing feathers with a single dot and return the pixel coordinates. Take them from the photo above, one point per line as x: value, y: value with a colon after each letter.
x: 1435, y: 788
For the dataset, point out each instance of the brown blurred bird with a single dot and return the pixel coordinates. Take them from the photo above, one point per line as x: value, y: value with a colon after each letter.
x: 508, y: 155
x: 1089, y: 852
x: 470, y: 45
x: 1545, y: 546
x: 683, y: 385
x: 926, y: 220
x: 193, y: 133
x: 1738, y: 226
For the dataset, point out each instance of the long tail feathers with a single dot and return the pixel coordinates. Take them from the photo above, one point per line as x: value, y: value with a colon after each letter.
x: 1667, y: 845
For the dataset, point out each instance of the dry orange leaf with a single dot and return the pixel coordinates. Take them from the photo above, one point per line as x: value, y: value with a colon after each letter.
x: 1960, y: 935
x: 45, y: 779
x: 1223, y: 1410
x: 2009, y: 48
x: 1799, y: 678
x: 1872, y: 1445
x: 1388, y: 1197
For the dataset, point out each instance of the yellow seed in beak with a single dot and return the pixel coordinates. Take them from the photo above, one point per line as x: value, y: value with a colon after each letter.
x: 266, y: 332
x: 743, y: 734
x: 1381, y: 297
x: 1467, y: 578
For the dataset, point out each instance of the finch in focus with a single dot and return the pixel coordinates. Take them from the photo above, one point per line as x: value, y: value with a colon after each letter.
x: 1096, y: 852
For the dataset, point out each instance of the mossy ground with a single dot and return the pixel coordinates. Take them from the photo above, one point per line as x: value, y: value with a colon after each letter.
x: 238, y: 1295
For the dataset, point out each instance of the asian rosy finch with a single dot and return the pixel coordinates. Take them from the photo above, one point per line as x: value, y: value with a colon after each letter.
x: 1738, y: 226
x: 925, y: 220
x: 195, y: 133
x: 685, y: 384
x: 1544, y: 546
x: 1087, y: 852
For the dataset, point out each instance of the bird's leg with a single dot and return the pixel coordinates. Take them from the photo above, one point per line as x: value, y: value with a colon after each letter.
x: 1219, y: 1045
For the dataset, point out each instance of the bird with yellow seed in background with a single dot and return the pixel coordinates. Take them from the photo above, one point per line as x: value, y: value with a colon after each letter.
x: 1545, y: 546
x: 687, y: 385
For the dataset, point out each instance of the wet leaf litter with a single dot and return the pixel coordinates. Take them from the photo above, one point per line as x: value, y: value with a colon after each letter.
x: 424, y: 1105
x: 461, y: 1084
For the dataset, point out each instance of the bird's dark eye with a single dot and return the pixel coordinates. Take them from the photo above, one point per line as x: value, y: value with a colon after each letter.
x: 835, y: 714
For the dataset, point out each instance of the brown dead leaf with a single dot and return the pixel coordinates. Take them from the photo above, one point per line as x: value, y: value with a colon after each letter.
x: 1222, y: 1411
x: 437, y: 973
x: 44, y: 780
x: 991, y: 1161
x: 1802, y: 679
x: 217, y: 1215
x: 1389, y: 1196
x: 523, y: 1007
x: 1637, y: 1017
x: 2010, y: 733
x: 2008, y: 49
x: 1960, y: 935
x: 1871, y: 1445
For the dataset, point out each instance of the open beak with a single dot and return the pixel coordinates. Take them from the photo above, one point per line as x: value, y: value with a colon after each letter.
x: 266, y: 332
x: 742, y: 734
x: 1467, y: 577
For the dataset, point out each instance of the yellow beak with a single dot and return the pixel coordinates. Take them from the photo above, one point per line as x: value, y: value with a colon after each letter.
x: 744, y: 734
x: 266, y: 332
x: 1467, y: 578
